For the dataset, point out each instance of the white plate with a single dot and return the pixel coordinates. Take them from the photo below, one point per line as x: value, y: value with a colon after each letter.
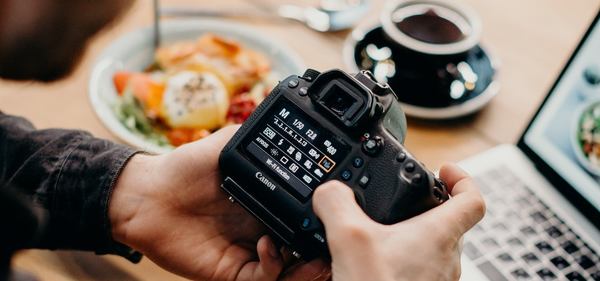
x: 134, y: 52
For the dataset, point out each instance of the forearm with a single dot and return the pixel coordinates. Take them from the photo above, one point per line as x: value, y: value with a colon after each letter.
x: 69, y: 175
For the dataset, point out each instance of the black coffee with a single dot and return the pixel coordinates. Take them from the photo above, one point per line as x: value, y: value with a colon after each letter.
x: 431, y: 28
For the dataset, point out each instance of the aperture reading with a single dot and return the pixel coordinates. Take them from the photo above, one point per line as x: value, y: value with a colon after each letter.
x: 293, y: 148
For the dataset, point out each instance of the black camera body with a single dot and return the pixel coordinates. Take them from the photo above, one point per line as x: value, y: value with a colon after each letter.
x: 319, y: 127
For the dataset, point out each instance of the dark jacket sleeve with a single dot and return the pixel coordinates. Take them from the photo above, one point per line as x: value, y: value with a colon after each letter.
x: 70, y: 176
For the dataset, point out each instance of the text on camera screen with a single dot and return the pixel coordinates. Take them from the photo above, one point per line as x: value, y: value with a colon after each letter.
x: 292, y: 146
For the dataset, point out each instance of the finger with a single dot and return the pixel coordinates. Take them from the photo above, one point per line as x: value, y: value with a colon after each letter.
x: 315, y: 270
x: 205, y: 148
x: 223, y: 135
x: 270, y: 263
x: 335, y: 205
x: 462, y: 211
x: 451, y: 174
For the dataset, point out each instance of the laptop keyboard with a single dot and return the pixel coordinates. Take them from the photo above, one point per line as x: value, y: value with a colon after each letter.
x: 520, y: 238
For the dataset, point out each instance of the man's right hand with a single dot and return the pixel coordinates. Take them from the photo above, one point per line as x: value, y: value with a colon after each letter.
x: 426, y: 247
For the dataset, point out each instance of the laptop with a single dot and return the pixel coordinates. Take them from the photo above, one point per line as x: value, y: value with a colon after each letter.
x: 543, y: 218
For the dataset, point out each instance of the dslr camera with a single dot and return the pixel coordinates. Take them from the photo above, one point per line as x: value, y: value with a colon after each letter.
x: 319, y: 127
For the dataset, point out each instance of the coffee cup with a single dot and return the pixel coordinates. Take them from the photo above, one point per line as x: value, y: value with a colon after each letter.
x: 429, y: 53
x: 432, y: 26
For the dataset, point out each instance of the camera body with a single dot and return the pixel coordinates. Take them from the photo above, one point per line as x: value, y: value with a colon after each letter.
x: 319, y: 127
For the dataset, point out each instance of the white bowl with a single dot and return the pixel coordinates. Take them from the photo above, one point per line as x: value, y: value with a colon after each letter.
x: 575, y: 142
x: 134, y: 52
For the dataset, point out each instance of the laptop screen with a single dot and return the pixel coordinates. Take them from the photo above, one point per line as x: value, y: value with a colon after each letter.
x: 565, y: 134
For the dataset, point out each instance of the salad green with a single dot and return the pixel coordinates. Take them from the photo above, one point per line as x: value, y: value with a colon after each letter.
x: 131, y: 114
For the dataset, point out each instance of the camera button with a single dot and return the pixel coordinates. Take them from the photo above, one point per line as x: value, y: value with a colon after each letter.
x: 296, y: 254
x: 293, y: 83
x: 416, y: 179
x: 364, y: 181
x: 357, y: 162
x: 305, y: 223
x: 303, y: 91
x: 346, y: 175
x: 409, y: 167
x: 401, y: 157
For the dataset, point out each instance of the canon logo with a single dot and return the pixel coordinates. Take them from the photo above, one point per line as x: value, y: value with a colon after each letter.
x: 265, y: 181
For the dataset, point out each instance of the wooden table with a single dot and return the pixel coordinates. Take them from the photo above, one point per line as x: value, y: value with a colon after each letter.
x: 532, y: 39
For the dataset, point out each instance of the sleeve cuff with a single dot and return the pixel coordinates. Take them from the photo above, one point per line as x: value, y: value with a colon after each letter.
x: 114, y: 247
x: 85, y: 181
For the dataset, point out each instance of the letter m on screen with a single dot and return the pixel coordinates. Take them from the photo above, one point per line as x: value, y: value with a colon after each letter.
x: 284, y: 113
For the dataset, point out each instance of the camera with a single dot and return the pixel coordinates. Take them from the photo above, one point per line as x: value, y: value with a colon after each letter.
x: 319, y: 127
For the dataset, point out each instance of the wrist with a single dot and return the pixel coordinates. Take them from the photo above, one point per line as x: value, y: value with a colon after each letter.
x: 128, y: 194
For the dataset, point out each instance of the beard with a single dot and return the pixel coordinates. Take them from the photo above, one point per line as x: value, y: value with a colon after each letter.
x: 46, y: 45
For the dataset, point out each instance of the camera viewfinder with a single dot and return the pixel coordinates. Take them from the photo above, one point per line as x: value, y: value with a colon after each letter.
x: 342, y: 102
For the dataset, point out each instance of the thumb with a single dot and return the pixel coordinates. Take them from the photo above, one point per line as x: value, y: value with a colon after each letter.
x: 335, y: 205
x: 464, y: 209
x: 222, y: 136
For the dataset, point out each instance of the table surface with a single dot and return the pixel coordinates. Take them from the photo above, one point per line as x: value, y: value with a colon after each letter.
x: 532, y: 40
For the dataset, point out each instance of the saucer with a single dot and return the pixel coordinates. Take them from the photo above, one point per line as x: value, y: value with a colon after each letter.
x: 426, y: 85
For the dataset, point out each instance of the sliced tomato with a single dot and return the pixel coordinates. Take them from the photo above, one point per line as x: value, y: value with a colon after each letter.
x: 145, y: 89
x: 240, y: 108
x: 180, y: 136
x: 200, y: 134
x: 120, y: 79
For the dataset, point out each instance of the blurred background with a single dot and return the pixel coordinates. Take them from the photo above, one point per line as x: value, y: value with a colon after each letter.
x: 532, y: 40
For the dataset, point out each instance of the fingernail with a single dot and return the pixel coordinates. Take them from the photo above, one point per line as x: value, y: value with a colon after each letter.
x: 456, y: 166
x: 324, y: 275
x: 325, y: 271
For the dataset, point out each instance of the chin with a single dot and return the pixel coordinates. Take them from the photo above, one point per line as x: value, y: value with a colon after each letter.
x: 39, y: 58
x: 47, y: 45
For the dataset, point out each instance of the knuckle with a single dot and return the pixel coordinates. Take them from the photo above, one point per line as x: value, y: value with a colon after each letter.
x: 441, y: 237
x: 478, y: 206
x: 457, y: 272
x: 355, y: 232
x: 446, y: 240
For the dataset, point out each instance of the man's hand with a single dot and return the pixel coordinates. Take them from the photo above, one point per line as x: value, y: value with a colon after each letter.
x: 170, y: 207
x: 426, y: 247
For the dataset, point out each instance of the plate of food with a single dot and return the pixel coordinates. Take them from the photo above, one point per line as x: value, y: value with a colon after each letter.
x: 586, y: 136
x: 207, y: 74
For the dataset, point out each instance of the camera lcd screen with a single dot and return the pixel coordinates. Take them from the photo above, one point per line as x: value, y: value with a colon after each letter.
x: 291, y: 146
